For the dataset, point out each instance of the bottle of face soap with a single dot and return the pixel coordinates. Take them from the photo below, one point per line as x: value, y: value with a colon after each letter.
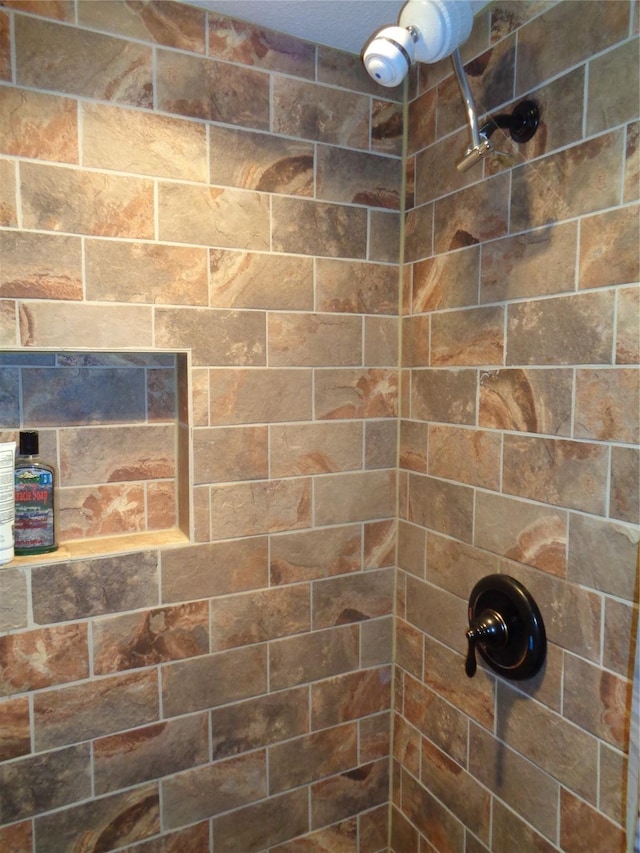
x: 34, y: 529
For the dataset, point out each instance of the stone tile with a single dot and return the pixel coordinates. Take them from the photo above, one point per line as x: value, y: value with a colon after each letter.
x: 37, y: 125
x: 172, y: 26
x: 613, y: 80
x: 412, y: 549
x: 442, y: 506
x: 386, y: 127
x: 283, y: 611
x: 435, y: 718
x: 8, y: 210
x: 422, y: 121
x: 619, y: 620
x: 536, y: 263
x: 384, y: 236
x: 15, y: 731
x: 310, y: 340
x: 379, y: 545
x: 355, y: 287
x: 526, y: 400
x: 123, y: 760
x: 212, y: 680
x: 580, y: 824
x: 522, y: 531
x: 29, y: 786
x: 194, y: 838
x: 216, y: 568
x: 437, y: 612
x: 465, y: 455
x: 448, y: 396
x: 565, y: 473
x: 32, y: 660
x: 225, y: 454
x: 624, y: 499
x: 404, y: 836
x: 8, y: 312
x: 627, y: 328
x: 374, y: 737
x: 260, y: 161
x: 50, y: 324
x: 260, y: 395
x: 609, y: 248
x: 472, y: 215
x: 572, y: 182
x: 217, y: 338
x: 413, y: 446
x: 431, y: 818
x: 416, y: 340
x: 632, y: 162
x: 221, y: 217
x: 5, y: 48
x: 356, y: 393
x: 270, y: 506
x: 564, y: 36
x: 456, y: 566
x: 380, y: 444
x: 75, y: 590
x: 406, y: 748
x: 60, y: 10
x: 358, y: 177
x: 352, y: 598
x: 306, y: 227
x: 607, y: 717
x: 340, y: 838
x: 320, y: 113
x: 93, y: 709
x: 315, y: 554
x: 357, y: 496
x: 613, y: 782
x: 121, y: 818
x: 259, y: 722
x: 509, y: 833
x: 447, y: 281
x: 311, y: 757
x: 270, y: 822
x: 149, y: 637
x: 607, y: 403
x: 603, y: 555
x: 311, y: 657
x: 18, y: 837
x: 13, y: 599
x: 242, y: 42
x: 435, y: 166
x: 202, y: 88
x: 253, y: 280
x: 381, y: 341
x: 87, y: 64
x: 58, y: 198
x: 356, y: 790
x: 546, y: 685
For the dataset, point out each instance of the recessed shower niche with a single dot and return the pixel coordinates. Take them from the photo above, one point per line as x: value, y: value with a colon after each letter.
x: 116, y: 427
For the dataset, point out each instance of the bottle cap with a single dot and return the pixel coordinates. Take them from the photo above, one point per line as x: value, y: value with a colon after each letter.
x: 29, y: 443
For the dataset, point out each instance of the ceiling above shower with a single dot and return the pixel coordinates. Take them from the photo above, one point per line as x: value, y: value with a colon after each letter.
x: 343, y: 24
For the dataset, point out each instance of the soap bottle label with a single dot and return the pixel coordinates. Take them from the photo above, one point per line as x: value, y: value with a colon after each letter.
x: 34, y: 522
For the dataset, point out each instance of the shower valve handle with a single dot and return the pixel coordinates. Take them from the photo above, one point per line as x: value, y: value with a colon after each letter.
x: 491, y: 629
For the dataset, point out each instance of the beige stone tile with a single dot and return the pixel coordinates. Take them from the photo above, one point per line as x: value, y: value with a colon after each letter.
x: 624, y: 496
x: 320, y: 113
x: 58, y: 198
x: 447, y: 281
x: 259, y: 722
x: 617, y: 650
x: 309, y: 340
x: 416, y: 340
x: 260, y: 395
x: 254, y: 280
x: 216, y: 568
x: 435, y: 166
x: 8, y: 209
x: 312, y: 757
x: 472, y: 215
x: 412, y: 549
x: 216, y: 338
x: 437, y: 612
x: 509, y: 833
x: 522, y: 531
x: 271, y: 822
x: 311, y: 657
x: 283, y: 611
x: 5, y: 48
x: 182, y: 27
x: 435, y: 718
x: 242, y: 42
x: 406, y: 747
x: 338, y: 797
x: 379, y: 545
x: 413, y: 446
x: 43, y: 657
x: 614, y: 90
x: 260, y: 161
x: 224, y: 454
x: 381, y: 341
x: 340, y: 838
x: 632, y: 163
x: 433, y: 820
x: 380, y: 444
x: 60, y: 10
x: 194, y: 837
x: 248, y: 509
x: 358, y: 177
x: 353, y: 598
x: 96, y: 708
x: 13, y: 599
x: 377, y: 641
x: 215, y: 91
x: 87, y: 64
x: 132, y: 141
x: 456, y: 566
x: 628, y: 326
x: 444, y: 395
x: 311, y: 554
x: 536, y: 263
x: 613, y: 782
x: 306, y: 227
x: 465, y: 455
x: 404, y: 836
x: 356, y: 393
x: 566, y: 35
x: 37, y: 125
x: 607, y: 405
x: 567, y: 330
x: 212, y: 680
x: 607, y: 717
x: 444, y: 673
x: 213, y: 216
x: 580, y: 824
x: 422, y: 121
x: 355, y: 287
x: 603, y: 555
x: 572, y: 182
x: 569, y: 474
x: 314, y: 448
x: 15, y: 731
x: 350, y: 697
x: 386, y: 127
x: 205, y: 791
x: 444, y: 507
x: 40, y: 266
x: 507, y: 16
x: 526, y: 400
x: 384, y: 236
x: 347, y: 497
x: 609, y: 251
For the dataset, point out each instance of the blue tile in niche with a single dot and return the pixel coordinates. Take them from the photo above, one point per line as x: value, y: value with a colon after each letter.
x: 9, y: 398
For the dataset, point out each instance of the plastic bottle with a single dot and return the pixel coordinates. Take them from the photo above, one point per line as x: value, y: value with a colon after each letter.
x: 7, y: 503
x: 34, y: 530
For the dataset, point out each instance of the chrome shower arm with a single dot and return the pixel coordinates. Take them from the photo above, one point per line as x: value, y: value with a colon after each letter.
x: 480, y: 144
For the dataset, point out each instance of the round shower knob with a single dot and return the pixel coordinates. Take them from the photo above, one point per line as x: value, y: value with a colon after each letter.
x: 506, y: 628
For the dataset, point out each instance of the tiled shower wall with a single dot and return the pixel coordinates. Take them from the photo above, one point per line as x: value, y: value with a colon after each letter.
x: 519, y: 437
x: 172, y: 182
